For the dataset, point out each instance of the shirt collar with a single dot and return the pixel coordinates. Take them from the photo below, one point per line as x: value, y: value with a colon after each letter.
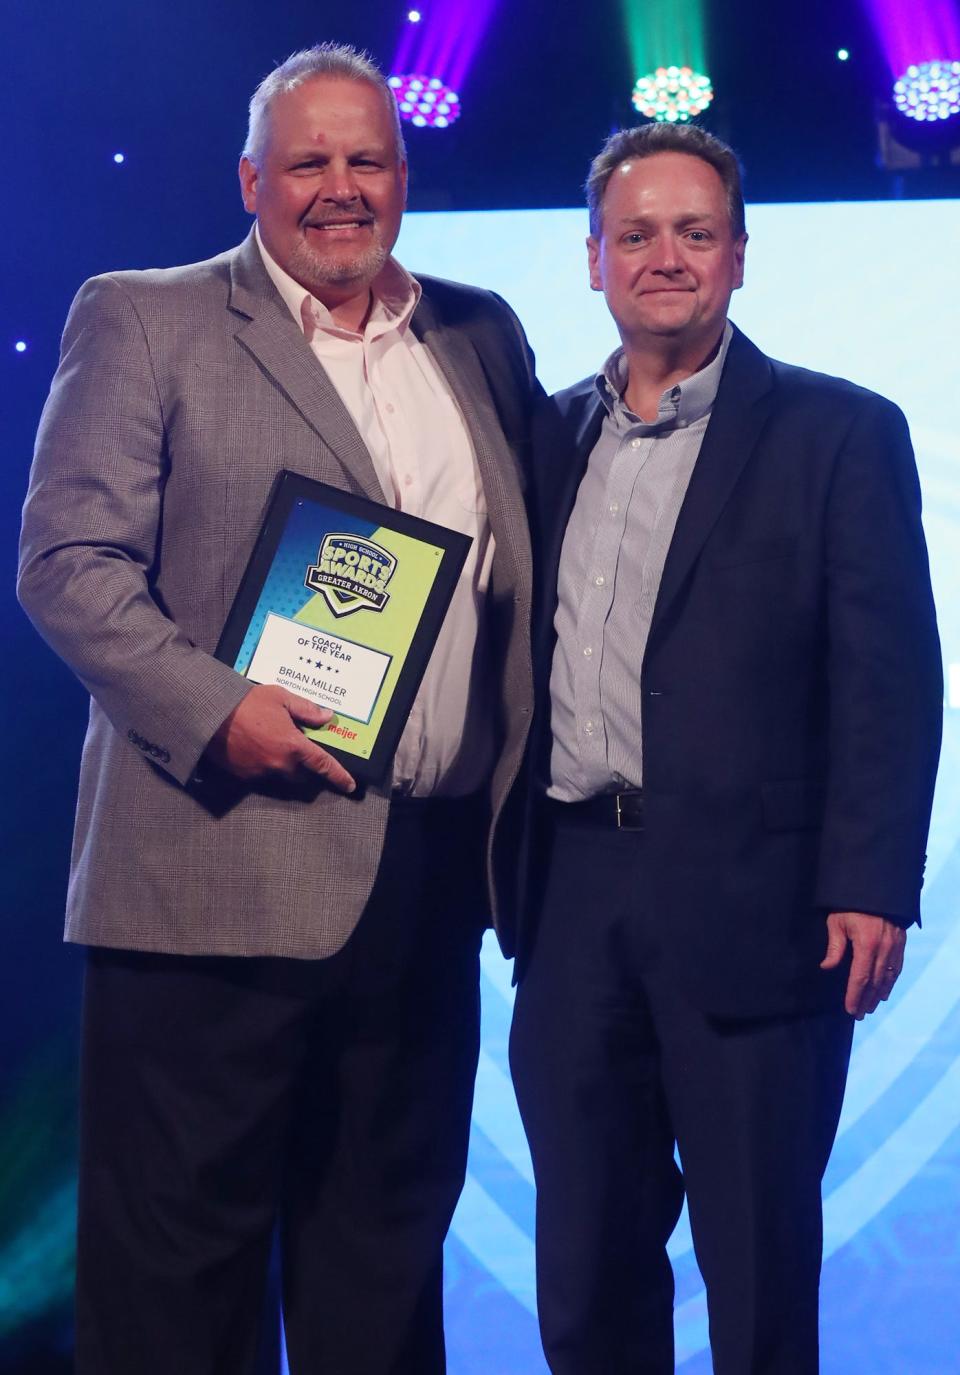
x: 395, y: 297
x: 681, y: 405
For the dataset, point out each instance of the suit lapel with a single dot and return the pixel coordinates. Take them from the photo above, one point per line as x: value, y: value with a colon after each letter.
x: 268, y: 331
x: 559, y: 486
x: 587, y: 420
x: 457, y: 358
x: 739, y: 414
x: 566, y: 430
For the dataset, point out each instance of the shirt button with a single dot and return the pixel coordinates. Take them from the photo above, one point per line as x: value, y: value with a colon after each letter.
x: 599, y: 580
x: 635, y: 443
x: 588, y: 727
x: 614, y: 507
x: 390, y: 407
x: 587, y: 652
x: 408, y: 481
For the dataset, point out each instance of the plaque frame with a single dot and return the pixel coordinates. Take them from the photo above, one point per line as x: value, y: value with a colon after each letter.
x: 302, y: 509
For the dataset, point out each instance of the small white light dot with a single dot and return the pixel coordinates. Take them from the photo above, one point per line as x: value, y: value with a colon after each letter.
x: 843, y: 54
x: 21, y: 346
x: 414, y: 16
x: 118, y: 158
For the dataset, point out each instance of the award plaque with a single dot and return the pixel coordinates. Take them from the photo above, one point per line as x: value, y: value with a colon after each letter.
x: 342, y: 602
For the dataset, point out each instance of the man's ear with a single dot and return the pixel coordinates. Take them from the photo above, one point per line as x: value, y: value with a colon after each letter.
x: 593, y: 260
x: 739, y: 249
x: 249, y: 174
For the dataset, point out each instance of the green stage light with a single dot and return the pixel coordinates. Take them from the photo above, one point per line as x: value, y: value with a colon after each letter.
x: 37, y: 1193
x: 667, y: 41
x: 663, y: 33
x: 672, y: 95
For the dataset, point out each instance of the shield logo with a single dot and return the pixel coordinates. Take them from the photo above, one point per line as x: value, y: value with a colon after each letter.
x: 351, y: 573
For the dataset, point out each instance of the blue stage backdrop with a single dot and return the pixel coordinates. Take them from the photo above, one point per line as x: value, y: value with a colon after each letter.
x: 869, y: 292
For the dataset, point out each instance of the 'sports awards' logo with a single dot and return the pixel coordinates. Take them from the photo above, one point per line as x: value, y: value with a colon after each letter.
x: 351, y: 573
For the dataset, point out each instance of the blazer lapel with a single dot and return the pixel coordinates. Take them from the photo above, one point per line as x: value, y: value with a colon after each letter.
x: 739, y: 414
x: 268, y: 331
x: 455, y: 355
x: 566, y: 429
x: 587, y: 421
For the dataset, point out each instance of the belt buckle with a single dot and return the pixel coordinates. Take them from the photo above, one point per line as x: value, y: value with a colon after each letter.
x: 629, y: 812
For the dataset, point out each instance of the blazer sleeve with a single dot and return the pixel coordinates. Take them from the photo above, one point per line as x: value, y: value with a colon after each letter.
x: 885, y: 672
x: 90, y: 540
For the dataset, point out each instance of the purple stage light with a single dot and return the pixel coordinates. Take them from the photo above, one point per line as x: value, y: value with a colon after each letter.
x: 425, y: 101
x: 672, y: 95
x: 446, y: 39
x: 118, y: 158
x: 20, y: 346
x: 929, y: 91
x: 910, y: 33
x: 414, y: 16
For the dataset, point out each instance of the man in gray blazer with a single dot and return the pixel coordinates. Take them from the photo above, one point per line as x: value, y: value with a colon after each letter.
x: 280, y: 1008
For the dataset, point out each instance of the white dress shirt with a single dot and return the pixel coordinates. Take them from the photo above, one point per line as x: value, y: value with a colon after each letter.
x: 423, y: 456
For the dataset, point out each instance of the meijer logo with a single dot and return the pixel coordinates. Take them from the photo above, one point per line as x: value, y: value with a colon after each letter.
x: 352, y: 574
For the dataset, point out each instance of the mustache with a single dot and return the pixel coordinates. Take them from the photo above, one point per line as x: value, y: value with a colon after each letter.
x: 360, y: 214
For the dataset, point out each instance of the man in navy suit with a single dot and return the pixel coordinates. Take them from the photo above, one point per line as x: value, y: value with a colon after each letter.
x: 742, y: 694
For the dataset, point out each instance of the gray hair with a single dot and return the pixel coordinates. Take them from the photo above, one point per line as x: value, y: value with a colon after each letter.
x: 325, y: 59
x: 643, y: 141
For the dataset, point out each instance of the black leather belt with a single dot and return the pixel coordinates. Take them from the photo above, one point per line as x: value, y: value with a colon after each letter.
x: 609, y: 811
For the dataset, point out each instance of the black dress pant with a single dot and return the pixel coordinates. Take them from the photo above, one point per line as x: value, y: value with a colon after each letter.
x: 221, y: 1097
x: 613, y: 1067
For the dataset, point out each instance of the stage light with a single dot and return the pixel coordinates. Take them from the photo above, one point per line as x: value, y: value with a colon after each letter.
x: 21, y: 346
x: 843, y: 54
x: 425, y: 101
x: 672, y: 94
x: 118, y: 158
x: 929, y: 91
x: 414, y: 16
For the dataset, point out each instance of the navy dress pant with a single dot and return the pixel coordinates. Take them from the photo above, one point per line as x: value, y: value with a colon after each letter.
x: 614, y: 1068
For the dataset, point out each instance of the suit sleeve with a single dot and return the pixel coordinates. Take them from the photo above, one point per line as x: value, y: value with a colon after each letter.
x: 885, y: 675
x: 91, y: 540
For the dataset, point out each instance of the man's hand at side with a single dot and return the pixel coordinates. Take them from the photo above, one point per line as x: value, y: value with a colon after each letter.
x: 878, y: 947
x: 261, y: 736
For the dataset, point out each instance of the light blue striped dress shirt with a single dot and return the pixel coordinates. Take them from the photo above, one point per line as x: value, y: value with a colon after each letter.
x: 610, y: 568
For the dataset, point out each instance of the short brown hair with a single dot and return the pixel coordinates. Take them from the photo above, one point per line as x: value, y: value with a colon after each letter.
x: 643, y: 141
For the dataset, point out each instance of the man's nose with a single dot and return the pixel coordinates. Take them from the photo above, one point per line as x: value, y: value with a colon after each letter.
x: 665, y: 255
x: 340, y: 183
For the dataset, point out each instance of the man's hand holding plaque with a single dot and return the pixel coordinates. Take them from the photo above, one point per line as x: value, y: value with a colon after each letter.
x: 262, y: 736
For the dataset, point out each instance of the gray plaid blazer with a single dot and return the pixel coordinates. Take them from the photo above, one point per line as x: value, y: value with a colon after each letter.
x: 180, y: 394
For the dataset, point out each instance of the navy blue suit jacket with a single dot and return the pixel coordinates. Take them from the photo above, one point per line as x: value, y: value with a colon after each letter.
x: 791, y: 684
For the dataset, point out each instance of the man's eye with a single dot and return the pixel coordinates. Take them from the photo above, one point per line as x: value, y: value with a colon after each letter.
x: 698, y: 235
